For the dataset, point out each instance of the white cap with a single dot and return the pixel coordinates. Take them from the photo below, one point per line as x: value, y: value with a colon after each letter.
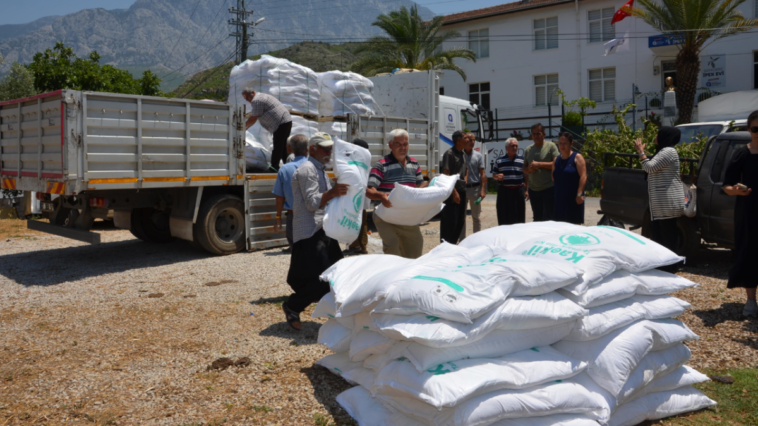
x: 321, y: 139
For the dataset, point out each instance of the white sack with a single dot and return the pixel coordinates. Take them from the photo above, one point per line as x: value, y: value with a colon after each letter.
x: 681, y: 377
x: 660, y: 405
x: 335, y: 128
x: 338, y: 364
x: 295, y: 86
x: 655, y: 282
x: 554, y: 420
x: 653, y: 365
x: 516, y: 313
x: 561, y: 397
x: 463, y: 292
x: 377, y: 362
x: 413, y: 206
x: 450, y: 384
x: 257, y: 157
x: 613, y: 357
x: 363, y: 322
x: 348, y: 276
x: 325, y: 308
x: 616, y: 286
x: 495, y: 344
x: 334, y: 336
x: 366, y: 343
x: 599, y: 251
x: 508, y: 237
x: 301, y: 126
x: 344, y: 214
x: 343, y: 93
x: 606, y: 318
x: 361, y: 376
x: 368, y: 411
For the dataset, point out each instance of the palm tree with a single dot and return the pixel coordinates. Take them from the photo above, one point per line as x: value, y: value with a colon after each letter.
x: 411, y: 43
x: 693, y: 23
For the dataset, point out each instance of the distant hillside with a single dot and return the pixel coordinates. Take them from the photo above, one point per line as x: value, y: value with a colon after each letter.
x: 214, y: 83
x: 190, y: 36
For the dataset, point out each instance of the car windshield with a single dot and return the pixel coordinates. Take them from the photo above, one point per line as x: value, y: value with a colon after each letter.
x: 694, y: 133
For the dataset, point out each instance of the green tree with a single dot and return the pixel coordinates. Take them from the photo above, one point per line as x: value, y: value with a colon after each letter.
x: 19, y: 83
x: 695, y: 24
x: 59, y: 68
x: 410, y: 43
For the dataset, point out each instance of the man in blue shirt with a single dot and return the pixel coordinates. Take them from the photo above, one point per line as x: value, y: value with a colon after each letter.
x: 283, y: 184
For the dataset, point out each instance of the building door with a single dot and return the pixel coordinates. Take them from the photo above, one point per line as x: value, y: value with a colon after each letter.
x: 669, y: 70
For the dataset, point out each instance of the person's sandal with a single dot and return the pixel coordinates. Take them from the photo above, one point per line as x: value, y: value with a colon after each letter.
x: 293, y: 318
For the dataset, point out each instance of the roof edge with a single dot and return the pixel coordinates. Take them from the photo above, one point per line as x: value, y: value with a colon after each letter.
x: 504, y: 12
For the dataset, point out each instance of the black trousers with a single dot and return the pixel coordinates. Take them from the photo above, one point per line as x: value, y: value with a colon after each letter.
x: 543, y: 203
x: 453, y: 219
x: 666, y: 233
x: 511, y: 206
x: 310, y: 258
x: 290, y: 227
x: 279, y: 151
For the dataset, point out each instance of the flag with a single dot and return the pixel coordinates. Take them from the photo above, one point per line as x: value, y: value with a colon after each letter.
x: 621, y: 13
x: 617, y: 45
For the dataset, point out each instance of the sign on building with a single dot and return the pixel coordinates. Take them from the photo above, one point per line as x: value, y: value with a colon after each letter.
x: 713, y: 69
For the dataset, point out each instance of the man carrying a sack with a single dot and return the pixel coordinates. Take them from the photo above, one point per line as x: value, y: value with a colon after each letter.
x: 313, y: 252
x: 396, y: 168
x: 274, y: 118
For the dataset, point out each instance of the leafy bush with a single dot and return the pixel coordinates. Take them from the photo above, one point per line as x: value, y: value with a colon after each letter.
x: 572, y: 118
x: 599, y: 142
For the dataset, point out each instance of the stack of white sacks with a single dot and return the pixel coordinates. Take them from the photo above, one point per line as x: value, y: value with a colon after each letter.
x: 534, y: 324
x: 302, y: 91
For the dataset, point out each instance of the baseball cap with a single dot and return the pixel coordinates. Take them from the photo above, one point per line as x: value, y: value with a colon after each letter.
x: 321, y: 139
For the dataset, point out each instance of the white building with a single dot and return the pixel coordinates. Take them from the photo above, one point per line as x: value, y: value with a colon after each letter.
x: 529, y: 48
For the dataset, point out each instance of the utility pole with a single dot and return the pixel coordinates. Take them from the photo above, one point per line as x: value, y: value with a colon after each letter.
x: 240, y: 17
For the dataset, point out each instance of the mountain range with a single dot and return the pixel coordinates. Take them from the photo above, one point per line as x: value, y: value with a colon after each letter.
x: 178, y: 38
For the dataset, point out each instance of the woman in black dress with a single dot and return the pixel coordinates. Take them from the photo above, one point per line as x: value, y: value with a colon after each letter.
x: 741, y: 180
x: 570, y: 177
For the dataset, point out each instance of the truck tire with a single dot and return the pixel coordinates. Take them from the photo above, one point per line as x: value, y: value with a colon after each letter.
x: 689, y: 237
x: 220, y: 226
x: 151, y: 226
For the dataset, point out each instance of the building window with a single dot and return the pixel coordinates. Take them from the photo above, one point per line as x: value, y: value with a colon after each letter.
x: 545, y: 88
x: 603, y: 85
x: 479, y: 42
x: 600, y: 25
x: 755, y: 65
x: 546, y: 33
x: 442, y: 91
x: 479, y: 94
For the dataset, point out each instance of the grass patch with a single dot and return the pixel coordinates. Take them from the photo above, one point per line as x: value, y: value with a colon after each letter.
x: 736, y: 401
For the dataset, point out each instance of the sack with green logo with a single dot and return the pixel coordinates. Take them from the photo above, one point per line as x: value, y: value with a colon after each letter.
x: 344, y: 214
x: 413, y: 206
x: 509, y: 237
x: 451, y: 383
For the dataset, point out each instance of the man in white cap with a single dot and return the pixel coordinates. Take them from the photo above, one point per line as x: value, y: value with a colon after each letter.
x: 312, y: 252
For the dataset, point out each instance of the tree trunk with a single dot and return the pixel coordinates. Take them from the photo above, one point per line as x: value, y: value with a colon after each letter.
x: 687, y: 75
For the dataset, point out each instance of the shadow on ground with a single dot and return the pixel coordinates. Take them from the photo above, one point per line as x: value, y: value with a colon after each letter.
x: 326, y: 387
x: 307, y: 336
x: 55, y: 266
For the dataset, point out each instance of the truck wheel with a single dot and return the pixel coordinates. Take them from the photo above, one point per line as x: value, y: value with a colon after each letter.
x: 689, y: 237
x: 220, y: 227
x: 151, y: 226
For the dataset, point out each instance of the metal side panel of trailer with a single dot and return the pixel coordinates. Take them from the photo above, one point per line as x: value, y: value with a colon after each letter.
x: 101, y: 141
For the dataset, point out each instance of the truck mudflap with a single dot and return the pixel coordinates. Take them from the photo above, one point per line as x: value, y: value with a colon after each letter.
x: 62, y: 231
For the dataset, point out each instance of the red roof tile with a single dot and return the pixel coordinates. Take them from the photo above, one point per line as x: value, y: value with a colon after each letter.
x: 515, y: 6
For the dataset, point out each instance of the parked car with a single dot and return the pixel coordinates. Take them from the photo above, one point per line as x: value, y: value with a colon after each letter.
x: 695, y: 131
x: 624, y: 195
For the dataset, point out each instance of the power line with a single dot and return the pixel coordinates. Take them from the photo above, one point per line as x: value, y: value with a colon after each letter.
x: 197, y: 3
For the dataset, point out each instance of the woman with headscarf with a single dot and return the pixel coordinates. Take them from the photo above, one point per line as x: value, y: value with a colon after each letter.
x: 741, y: 181
x: 664, y: 185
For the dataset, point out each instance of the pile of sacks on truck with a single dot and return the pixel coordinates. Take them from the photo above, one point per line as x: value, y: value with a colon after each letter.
x: 305, y: 93
x: 545, y: 324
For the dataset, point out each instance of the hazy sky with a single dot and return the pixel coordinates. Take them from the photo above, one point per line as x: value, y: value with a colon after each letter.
x: 23, y: 11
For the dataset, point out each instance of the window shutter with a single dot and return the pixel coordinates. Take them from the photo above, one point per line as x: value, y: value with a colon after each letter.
x: 484, y: 48
x: 552, y: 79
x: 595, y: 32
x: 539, y: 79
x: 609, y: 73
x: 539, y: 23
x: 539, y: 40
x: 596, y: 91
x: 610, y: 90
x: 552, y: 94
x: 594, y: 15
x: 608, y: 13
x: 596, y: 74
x: 609, y: 32
x: 539, y: 95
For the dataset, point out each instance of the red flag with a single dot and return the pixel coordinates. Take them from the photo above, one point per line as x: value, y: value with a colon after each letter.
x: 621, y: 13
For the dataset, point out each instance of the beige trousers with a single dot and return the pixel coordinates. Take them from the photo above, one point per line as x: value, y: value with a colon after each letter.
x: 400, y: 240
x: 472, y: 194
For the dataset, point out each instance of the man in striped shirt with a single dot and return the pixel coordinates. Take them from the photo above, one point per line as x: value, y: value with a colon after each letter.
x: 274, y: 117
x: 396, y: 168
x: 512, y: 191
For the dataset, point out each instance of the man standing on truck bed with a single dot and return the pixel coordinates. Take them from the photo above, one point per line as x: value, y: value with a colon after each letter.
x: 313, y: 252
x: 283, y: 185
x: 274, y: 118
x: 538, y: 163
x: 396, y: 168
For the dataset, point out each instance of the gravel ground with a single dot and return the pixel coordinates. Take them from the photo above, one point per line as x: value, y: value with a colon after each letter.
x: 125, y: 332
